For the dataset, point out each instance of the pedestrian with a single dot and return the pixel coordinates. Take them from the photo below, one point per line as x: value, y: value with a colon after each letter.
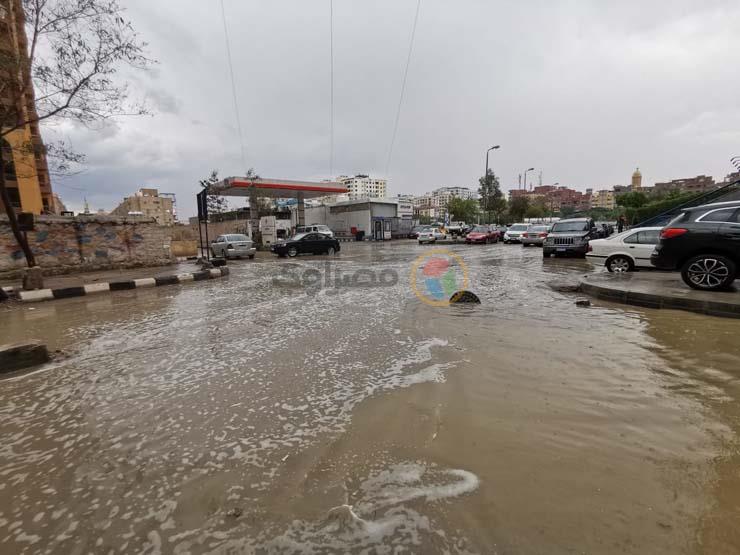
x: 620, y: 224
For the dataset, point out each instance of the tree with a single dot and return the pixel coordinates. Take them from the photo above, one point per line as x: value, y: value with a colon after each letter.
x: 518, y: 207
x: 216, y: 203
x: 462, y: 209
x: 537, y: 209
x: 634, y: 199
x: 567, y: 210
x: 490, y: 197
x: 75, y: 50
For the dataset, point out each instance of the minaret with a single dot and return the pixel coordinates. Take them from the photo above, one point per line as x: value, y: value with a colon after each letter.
x: 636, y: 179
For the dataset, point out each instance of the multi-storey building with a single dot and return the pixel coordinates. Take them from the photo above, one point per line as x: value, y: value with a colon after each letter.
x: 364, y: 186
x: 25, y: 168
x: 698, y: 184
x: 147, y: 203
x: 603, y: 198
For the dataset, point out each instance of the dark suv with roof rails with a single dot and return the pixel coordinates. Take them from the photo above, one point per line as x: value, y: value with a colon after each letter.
x: 703, y: 242
x: 570, y: 237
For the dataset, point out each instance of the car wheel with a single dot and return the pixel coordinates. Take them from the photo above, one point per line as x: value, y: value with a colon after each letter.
x: 331, y: 251
x: 251, y: 257
x: 292, y: 252
x: 545, y: 254
x: 213, y: 254
x: 708, y: 272
x: 620, y: 264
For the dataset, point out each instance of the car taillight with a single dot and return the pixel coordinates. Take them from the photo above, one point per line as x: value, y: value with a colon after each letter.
x: 671, y: 232
x: 543, y: 234
x: 525, y: 234
x: 590, y: 248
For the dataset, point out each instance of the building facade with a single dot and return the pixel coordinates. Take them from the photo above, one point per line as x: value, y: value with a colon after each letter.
x: 363, y: 186
x: 698, y: 184
x: 604, y: 198
x: 147, y: 203
x: 24, y: 157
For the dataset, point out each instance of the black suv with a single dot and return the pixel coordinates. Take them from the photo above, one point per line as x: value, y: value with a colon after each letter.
x: 570, y: 237
x: 703, y: 242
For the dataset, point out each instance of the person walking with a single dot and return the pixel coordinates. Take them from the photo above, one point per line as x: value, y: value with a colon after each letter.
x: 620, y: 224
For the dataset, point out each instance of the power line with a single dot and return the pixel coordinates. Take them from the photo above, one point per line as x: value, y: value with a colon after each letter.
x: 403, y: 88
x: 233, y: 87
x: 331, y: 78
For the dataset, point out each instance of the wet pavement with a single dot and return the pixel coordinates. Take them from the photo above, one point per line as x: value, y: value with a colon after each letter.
x: 656, y: 289
x: 274, y: 411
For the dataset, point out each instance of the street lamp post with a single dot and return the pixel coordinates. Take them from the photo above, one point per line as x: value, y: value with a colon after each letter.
x: 485, y: 175
x: 525, y: 177
x: 487, y: 151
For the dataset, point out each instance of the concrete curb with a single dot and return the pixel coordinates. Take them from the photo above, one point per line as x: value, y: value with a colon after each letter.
x: 95, y: 288
x: 649, y: 300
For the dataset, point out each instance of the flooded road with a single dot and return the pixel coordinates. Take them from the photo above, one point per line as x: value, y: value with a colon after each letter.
x: 274, y: 412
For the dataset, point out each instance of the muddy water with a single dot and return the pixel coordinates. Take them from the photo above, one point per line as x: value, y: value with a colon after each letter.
x: 260, y: 414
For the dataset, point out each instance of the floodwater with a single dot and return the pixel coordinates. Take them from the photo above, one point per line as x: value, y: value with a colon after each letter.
x: 271, y: 413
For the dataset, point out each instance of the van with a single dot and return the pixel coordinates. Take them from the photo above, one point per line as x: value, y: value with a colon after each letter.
x: 315, y: 228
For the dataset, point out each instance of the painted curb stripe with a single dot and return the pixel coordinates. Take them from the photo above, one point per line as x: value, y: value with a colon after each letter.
x: 67, y: 292
x: 122, y: 285
x: 34, y: 296
x: 91, y: 288
x: 96, y: 288
x: 166, y: 280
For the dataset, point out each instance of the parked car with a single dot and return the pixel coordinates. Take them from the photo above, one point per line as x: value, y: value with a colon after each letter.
x: 626, y: 251
x: 306, y: 243
x: 315, y: 228
x: 482, y: 234
x: 414, y: 234
x: 232, y: 245
x: 514, y: 233
x: 431, y: 235
x: 703, y: 243
x: 457, y: 228
x: 535, y: 235
x: 570, y: 237
x: 604, y: 230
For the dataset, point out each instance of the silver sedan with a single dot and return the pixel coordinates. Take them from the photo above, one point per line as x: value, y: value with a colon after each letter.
x: 232, y: 246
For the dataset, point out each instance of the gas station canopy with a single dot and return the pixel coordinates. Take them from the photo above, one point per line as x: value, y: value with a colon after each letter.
x: 276, y: 188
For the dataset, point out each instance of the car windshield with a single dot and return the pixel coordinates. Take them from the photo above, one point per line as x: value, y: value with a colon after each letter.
x: 562, y: 227
x: 299, y: 236
x: 238, y: 238
x: 479, y: 229
x: 538, y: 229
x: 519, y: 227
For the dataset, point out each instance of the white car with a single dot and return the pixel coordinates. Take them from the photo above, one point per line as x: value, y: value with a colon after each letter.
x: 515, y: 232
x: 431, y: 235
x: 627, y: 250
x: 315, y: 228
x: 233, y: 245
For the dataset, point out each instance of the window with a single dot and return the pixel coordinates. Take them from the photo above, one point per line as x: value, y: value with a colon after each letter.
x: 722, y: 215
x: 649, y: 237
x: 735, y: 218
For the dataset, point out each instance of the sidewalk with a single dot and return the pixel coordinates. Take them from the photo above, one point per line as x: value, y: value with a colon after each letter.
x: 75, y: 285
x: 661, y: 290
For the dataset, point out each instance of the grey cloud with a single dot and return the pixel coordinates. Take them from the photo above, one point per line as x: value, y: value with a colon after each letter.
x: 582, y: 90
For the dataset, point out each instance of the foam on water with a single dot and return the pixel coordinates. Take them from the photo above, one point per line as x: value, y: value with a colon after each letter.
x: 380, y: 521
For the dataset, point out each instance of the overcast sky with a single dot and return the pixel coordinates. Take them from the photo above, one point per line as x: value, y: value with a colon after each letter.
x: 583, y: 90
